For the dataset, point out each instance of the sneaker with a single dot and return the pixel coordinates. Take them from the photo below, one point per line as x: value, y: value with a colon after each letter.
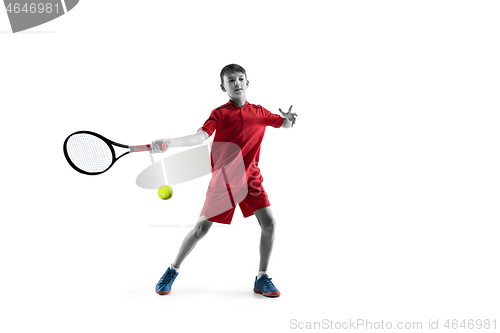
x: 165, y: 284
x: 265, y: 287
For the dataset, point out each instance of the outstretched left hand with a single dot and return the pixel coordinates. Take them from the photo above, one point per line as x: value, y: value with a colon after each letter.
x: 289, y: 115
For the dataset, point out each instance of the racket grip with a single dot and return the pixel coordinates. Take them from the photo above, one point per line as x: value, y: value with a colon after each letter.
x: 140, y: 148
x: 135, y: 149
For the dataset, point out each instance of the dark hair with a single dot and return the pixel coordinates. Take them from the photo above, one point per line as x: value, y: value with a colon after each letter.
x: 229, y: 69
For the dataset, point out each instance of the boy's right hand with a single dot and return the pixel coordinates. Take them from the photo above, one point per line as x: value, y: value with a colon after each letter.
x: 158, y: 145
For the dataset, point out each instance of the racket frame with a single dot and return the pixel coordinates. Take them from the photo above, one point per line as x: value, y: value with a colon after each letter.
x: 110, y: 144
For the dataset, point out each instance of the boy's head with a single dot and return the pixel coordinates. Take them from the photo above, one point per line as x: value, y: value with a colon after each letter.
x: 234, y: 81
x: 231, y: 69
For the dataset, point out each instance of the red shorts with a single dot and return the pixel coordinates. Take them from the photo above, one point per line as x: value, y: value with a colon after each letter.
x: 220, y: 205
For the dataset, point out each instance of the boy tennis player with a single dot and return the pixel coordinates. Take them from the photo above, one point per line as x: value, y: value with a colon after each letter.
x: 239, y: 129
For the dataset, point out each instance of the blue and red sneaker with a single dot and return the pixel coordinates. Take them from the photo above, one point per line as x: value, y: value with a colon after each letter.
x: 265, y: 287
x: 165, y: 284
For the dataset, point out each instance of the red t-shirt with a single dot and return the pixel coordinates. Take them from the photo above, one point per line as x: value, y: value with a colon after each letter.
x: 244, y: 126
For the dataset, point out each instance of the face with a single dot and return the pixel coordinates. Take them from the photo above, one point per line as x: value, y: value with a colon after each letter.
x: 235, y: 85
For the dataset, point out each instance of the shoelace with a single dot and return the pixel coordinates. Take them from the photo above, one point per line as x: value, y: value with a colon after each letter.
x: 168, y: 277
x: 268, y: 282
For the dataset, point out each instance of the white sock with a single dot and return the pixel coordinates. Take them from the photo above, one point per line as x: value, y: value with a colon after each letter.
x: 175, y: 269
x: 260, y: 273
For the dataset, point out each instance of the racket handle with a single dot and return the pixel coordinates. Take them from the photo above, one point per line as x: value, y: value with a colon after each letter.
x: 140, y: 148
x: 135, y: 149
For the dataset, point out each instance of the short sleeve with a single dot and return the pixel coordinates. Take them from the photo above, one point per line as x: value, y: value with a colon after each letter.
x: 272, y: 119
x: 210, y: 124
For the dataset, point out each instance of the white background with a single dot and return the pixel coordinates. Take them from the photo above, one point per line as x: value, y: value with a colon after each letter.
x: 385, y: 192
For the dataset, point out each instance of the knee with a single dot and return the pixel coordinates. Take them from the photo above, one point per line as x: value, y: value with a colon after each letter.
x: 268, y: 226
x: 201, y: 229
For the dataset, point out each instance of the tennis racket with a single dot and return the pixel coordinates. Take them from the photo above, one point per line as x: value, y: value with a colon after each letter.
x: 92, y: 154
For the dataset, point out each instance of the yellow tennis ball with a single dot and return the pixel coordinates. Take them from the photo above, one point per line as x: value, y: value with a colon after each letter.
x: 165, y: 192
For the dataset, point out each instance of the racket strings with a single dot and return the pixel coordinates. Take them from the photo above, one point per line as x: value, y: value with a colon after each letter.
x: 89, y: 153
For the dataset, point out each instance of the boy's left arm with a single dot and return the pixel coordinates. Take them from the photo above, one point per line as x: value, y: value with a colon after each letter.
x: 288, y: 118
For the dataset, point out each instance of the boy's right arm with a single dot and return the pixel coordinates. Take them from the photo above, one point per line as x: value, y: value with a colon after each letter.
x: 186, y: 141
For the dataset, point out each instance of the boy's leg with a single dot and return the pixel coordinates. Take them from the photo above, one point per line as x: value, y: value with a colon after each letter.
x: 263, y: 284
x: 199, y: 231
x: 163, y: 287
x: 267, y: 225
